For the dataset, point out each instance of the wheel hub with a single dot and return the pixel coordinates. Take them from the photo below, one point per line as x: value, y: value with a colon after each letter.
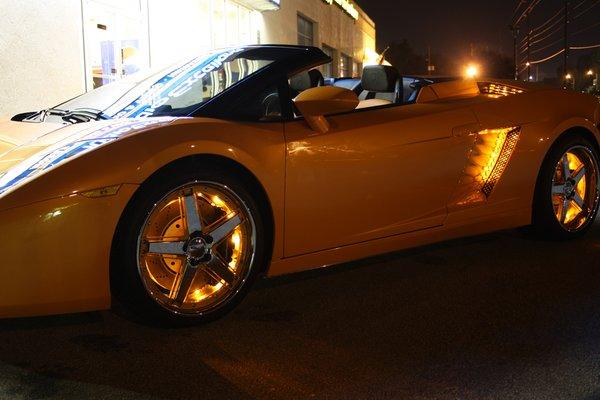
x: 197, y: 248
x: 569, y: 188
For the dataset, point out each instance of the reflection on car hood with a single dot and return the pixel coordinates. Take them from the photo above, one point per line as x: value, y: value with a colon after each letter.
x: 28, y: 150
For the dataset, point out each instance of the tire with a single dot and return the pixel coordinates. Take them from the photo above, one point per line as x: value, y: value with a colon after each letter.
x: 564, y: 208
x: 171, y: 269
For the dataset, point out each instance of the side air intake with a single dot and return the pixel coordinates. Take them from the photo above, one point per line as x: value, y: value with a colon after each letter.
x: 496, y: 90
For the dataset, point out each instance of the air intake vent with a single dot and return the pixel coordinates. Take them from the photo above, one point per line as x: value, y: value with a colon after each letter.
x: 496, y: 90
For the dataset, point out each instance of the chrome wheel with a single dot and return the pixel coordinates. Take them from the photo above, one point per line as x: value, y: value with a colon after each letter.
x: 575, y: 188
x: 196, y: 248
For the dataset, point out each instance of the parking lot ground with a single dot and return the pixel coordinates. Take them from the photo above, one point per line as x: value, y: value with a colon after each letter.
x: 500, y: 316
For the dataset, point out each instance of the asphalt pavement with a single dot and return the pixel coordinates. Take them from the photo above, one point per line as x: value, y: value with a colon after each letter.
x: 500, y: 316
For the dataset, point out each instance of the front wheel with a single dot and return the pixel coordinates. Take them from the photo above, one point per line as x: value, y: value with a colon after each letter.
x: 567, y: 192
x: 188, y: 247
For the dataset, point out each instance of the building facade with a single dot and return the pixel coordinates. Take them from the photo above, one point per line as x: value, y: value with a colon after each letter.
x: 56, y: 49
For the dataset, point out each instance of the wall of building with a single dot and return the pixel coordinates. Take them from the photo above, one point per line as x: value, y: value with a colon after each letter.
x: 333, y: 28
x: 41, y: 47
x: 53, y: 50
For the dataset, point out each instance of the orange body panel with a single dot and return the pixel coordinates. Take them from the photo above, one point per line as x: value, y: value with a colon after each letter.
x: 379, y: 180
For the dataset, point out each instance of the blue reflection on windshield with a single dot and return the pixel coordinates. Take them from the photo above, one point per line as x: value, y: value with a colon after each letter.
x: 174, y: 84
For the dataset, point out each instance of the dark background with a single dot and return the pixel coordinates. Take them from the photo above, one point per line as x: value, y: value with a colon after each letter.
x: 464, y: 31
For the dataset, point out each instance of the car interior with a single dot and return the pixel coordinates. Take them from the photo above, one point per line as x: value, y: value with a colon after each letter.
x: 379, y: 86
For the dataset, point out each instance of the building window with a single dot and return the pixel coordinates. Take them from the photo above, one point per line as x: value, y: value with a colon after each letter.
x: 115, y: 40
x: 328, y: 71
x: 345, y: 66
x: 306, y: 32
x: 357, y: 69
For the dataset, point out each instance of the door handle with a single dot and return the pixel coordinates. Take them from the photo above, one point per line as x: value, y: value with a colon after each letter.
x: 466, y: 130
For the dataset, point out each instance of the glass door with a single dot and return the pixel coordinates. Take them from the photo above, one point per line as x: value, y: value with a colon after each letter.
x: 115, y: 40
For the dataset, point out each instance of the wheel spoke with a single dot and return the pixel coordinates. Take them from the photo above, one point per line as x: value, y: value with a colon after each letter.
x: 172, y: 248
x: 578, y: 200
x: 183, y: 282
x: 191, y: 212
x: 219, y: 269
x: 225, y: 228
x: 558, y: 189
x: 565, y: 204
x: 578, y: 176
x: 566, y: 167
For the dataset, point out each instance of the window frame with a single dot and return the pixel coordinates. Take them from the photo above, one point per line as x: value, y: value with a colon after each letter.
x: 330, y: 65
x: 302, y: 36
x: 347, y: 62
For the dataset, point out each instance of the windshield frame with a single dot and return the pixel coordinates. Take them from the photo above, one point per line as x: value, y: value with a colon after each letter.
x: 287, y: 60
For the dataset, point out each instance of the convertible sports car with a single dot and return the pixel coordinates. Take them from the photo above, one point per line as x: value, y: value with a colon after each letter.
x: 173, y: 191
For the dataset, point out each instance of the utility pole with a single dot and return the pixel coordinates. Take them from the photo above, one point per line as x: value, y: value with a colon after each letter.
x: 528, y: 48
x: 515, y: 31
x: 429, y: 60
x: 566, y: 55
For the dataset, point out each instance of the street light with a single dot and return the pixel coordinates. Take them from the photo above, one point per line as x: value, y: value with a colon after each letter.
x: 471, y: 71
x: 594, y: 75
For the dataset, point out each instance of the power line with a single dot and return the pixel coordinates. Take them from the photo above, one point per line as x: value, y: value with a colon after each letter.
x: 527, y: 11
x: 585, y: 29
x: 549, y: 35
x: 529, y: 40
x: 587, y: 9
x: 521, y: 2
x: 558, y: 53
x: 557, y: 22
x: 586, y: 47
x: 540, y: 38
x: 547, y: 46
x: 558, y: 13
x: 562, y: 51
x: 582, y: 2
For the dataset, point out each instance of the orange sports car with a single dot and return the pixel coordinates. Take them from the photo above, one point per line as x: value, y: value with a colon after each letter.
x: 174, y: 191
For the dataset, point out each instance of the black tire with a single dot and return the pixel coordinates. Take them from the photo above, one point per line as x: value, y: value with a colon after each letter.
x: 127, y: 285
x: 546, y: 224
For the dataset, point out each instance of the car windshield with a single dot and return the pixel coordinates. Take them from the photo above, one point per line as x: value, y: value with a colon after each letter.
x: 175, y: 91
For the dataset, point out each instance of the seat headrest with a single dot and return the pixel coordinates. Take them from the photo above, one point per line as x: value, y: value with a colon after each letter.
x: 307, y: 80
x: 380, y: 78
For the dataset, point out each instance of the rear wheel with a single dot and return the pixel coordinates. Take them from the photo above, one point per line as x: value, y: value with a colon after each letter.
x: 567, y: 193
x: 188, y: 247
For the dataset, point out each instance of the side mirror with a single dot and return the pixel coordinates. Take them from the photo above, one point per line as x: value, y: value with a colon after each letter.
x: 317, y: 102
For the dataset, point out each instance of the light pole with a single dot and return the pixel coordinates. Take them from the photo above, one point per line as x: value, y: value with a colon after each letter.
x: 594, y: 77
x: 569, y: 78
x: 515, y: 31
x: 566, y: 42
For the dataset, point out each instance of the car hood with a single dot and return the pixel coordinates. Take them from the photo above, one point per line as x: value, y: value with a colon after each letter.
x: 27, y: 150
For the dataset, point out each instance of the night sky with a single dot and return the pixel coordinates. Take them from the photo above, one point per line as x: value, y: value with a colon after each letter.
x: 450, y: 27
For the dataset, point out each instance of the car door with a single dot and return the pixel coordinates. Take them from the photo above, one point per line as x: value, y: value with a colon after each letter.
x: 376, y: 173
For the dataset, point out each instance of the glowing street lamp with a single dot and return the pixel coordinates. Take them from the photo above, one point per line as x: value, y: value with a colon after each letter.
x: 568, y: 77
x: 471, y: 71
x: 590, y: 73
